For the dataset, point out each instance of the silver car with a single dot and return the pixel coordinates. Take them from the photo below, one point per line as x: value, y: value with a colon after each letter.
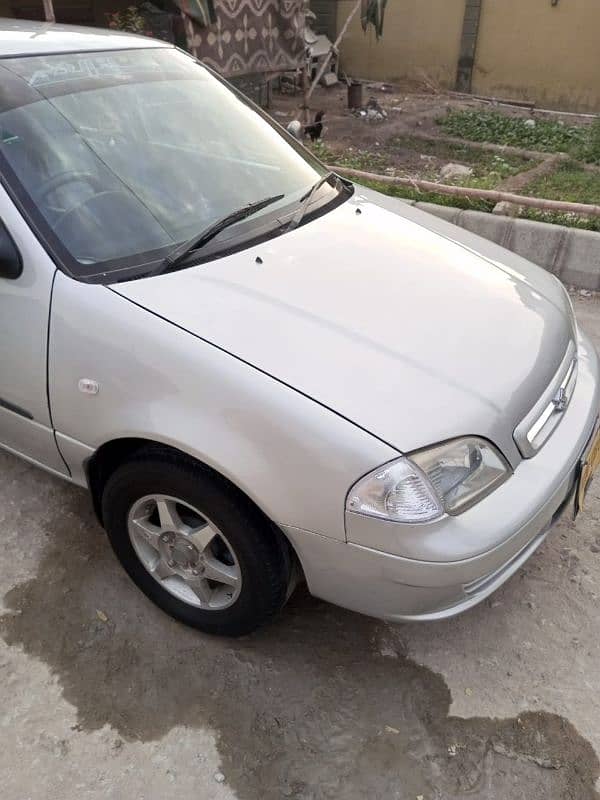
x: 263, y: 372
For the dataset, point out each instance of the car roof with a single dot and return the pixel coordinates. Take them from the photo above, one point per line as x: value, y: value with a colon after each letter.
x: 28, y: 38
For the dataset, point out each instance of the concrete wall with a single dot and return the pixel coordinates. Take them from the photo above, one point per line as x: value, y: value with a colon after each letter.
x: 532, y: 50
x: 526, y: 49
x: 419, y: 36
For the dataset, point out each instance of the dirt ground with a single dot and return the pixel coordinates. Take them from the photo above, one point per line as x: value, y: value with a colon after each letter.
x: 102, y: 696
x: 406, y: 107
x: 411, y: 108
x: 408, y: 142
x: 409, y: 112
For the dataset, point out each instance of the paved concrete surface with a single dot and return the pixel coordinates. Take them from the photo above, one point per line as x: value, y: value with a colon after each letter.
x: 102, y: 696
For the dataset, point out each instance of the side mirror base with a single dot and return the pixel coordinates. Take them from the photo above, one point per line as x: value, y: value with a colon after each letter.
x: 11, y: 263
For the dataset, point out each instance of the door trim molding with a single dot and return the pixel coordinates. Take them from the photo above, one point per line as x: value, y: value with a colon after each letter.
x: 22, y: 412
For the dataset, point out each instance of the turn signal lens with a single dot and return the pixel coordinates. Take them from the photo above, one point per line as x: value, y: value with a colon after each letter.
x: 398, y: 491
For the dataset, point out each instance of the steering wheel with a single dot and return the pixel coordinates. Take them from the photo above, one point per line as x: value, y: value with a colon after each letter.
x: 56, y: 181
x: 83, y: 228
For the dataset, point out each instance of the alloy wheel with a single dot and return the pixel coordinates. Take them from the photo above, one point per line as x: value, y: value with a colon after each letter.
x: 185, y: 552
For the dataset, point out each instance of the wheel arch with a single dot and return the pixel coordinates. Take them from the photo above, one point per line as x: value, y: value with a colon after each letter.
x: 111, y: 454
x: 103, y: 462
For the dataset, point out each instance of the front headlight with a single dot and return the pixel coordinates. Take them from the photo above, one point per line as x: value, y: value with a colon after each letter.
x: 445, y: 479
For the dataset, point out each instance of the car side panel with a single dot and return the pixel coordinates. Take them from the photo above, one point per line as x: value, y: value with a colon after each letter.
x: 293, y: 457
x: 25, y: 425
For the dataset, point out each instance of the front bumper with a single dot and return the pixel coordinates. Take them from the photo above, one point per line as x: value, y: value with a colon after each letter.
x: 426, y: 572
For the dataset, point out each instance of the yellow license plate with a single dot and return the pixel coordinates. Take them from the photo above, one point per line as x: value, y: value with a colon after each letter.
x: 589, y: 465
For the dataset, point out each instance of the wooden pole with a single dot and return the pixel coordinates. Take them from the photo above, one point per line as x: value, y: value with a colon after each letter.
x: 305, y: 85
x: 49, y: 11
x: 477, y: 194
x: 333, y: 49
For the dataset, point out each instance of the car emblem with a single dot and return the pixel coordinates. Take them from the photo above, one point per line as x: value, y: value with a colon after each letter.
x: 560, y: 400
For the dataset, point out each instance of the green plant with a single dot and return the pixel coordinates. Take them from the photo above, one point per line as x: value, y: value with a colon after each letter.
x: 352, y: 158
x: 570, y: 182
x: 408, y: 193
x: 591, y: 150
x: 483, y: 161
x: 569, y: 220
x: 490, y: 126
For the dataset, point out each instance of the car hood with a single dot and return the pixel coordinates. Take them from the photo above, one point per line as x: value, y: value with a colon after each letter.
x: 411, y: 328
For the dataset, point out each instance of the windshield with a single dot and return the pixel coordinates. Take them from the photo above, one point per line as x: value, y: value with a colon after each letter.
x: 119, y: 156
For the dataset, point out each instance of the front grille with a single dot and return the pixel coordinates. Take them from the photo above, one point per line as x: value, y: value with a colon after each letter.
x: 534, y: 431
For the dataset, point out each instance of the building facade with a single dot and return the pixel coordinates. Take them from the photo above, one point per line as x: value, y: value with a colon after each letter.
x: 543, y: 51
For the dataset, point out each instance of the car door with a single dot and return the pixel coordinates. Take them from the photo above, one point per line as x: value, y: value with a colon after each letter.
x: 25, y: 423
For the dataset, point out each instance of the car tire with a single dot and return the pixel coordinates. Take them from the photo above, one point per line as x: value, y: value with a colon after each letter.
x: 156, y: 509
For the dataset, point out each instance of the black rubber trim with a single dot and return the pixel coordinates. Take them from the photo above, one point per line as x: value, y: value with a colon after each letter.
x: 48, y: 344
x: 22, y: 412
x: 19, y: 258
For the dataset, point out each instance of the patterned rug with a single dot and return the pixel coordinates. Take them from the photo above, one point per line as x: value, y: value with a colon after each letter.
x: 251, y: 36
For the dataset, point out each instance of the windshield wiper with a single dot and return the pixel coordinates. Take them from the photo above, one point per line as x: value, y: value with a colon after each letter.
x: 181, y: 252
x: 305, y: 200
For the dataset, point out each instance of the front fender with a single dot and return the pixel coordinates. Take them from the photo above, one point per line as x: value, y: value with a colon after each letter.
x: 293, y: 457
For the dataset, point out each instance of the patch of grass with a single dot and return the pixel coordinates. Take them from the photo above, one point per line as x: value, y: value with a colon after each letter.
x: 482, y: 161
x: 569, y: 220
x: 590, y: 151
x: 569, y: 182
x: 365, y: 160
x: 488, y: 168
x: 548, y: 136
x: 378, y: 162
x: 480, y: 180
x: 408, y: 193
